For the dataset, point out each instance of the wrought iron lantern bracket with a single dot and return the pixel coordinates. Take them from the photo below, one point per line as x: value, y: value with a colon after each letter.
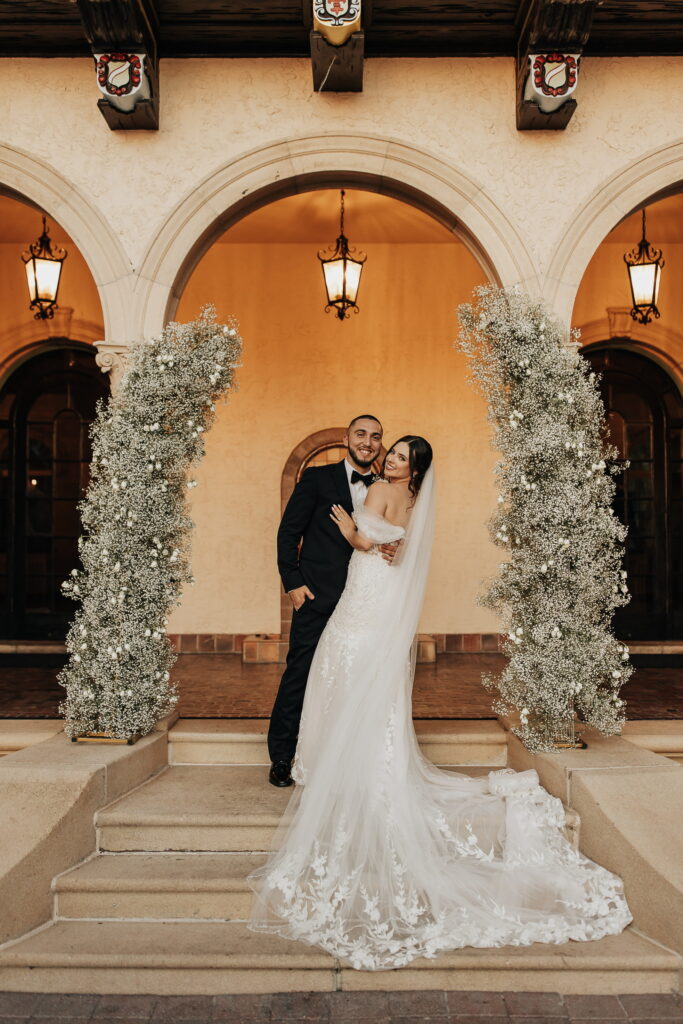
x: 43, y: 271
x: 342, y: 266
x: 644, y: 263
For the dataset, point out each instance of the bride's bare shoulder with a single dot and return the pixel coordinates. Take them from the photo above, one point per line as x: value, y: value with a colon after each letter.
x: 377, y: 497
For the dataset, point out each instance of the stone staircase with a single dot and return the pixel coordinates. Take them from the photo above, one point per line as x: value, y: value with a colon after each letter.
x: 160, y: 907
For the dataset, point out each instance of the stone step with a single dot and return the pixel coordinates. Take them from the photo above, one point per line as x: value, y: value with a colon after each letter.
x: 189, y: 957
x: 662, y: 737
x: 15, y: 734
x: 243, y: 741
x: 226, y: 809
x: 195, y: 807
x: 158, y: 886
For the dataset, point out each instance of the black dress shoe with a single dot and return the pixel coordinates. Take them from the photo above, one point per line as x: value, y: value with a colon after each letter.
x: 281, y: 774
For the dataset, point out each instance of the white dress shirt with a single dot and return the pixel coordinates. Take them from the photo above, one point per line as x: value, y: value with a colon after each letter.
x: 358, y: 490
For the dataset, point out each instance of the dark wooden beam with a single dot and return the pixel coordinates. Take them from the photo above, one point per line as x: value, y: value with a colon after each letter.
x: 337, y: 68
x: 555, y: 31
x: 307, y: 12
x: 122, y: 29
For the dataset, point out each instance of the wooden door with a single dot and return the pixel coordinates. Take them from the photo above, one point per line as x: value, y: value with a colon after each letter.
x: 645, y: 415
x: 46, y: 410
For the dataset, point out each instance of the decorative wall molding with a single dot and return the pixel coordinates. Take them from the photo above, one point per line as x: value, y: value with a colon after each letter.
x: 646, y: 179
x: 21, y: 353
x: 328, y: 160
x: 63, y: 325
x: 654, y: 341
x: 23, y: 175
x: 111, y: 358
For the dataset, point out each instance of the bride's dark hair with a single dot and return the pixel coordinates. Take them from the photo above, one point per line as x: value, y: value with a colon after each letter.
x: 419, y: 460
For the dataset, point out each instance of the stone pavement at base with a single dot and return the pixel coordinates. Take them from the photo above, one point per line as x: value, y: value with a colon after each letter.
x: 221, y: 686
x: 429, y: 1007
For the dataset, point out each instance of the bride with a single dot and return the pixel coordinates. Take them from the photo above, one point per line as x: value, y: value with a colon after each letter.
x: 381, y: 857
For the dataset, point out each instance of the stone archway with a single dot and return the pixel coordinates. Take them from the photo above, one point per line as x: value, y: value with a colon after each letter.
x: 655, y: 176
x: 367, y: 162
x: 655, y: 341
x: 27, y: 179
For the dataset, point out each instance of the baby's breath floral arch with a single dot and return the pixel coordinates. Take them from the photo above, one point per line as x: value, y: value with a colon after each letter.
x: 135, y: 547
x: 563, y: 577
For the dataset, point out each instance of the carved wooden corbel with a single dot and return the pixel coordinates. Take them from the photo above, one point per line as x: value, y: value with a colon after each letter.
x: 551, y: 35
x: 337, y: 45
x: 122, y: 37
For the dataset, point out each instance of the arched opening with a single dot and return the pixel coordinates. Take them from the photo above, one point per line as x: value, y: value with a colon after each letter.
x: 304, y: 369
x: 46, y: 408
x: 642, y: 386
x: 291, y: 166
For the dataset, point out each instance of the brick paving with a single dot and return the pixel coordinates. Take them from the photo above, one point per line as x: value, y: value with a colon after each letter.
x: 429, y: 1007
x: 222, y: 686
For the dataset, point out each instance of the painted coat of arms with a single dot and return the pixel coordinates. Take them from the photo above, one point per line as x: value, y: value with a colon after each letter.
x: 554, y: 74
x: 336, y: 20
x: 119, y: 74
x: 336, y: 12
x: 553, y: 77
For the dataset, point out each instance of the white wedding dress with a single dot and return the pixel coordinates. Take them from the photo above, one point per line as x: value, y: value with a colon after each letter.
x: 381, y: 857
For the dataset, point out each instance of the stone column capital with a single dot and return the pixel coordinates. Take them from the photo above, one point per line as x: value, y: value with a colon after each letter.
x: 111, y: 358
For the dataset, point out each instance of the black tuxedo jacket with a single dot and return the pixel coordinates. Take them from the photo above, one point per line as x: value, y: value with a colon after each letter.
x: 323, y: 560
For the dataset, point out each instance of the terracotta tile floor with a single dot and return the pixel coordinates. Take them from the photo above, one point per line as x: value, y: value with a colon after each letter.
x: 221, y: 686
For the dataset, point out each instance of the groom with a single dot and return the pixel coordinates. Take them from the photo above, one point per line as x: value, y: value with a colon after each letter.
x: 315, y: 574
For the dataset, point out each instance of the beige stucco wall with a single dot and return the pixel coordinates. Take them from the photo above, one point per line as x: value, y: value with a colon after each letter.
x: 213, y: 111
x: 549, y: 197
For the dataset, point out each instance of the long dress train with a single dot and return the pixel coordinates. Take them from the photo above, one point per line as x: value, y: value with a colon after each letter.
x: 381, y: 857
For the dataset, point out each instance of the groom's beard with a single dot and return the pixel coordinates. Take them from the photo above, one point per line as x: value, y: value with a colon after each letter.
x: 361, y: 460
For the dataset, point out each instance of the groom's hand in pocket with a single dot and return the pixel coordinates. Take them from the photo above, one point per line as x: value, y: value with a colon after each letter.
x: 299, y: 595
x: 389, y: 551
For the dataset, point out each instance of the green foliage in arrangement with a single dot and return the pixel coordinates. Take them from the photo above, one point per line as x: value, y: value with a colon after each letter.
x: 563, y: 579
x: 135, y: 547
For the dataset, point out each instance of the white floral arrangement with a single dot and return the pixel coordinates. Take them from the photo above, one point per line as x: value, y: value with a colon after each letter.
x: 563, y: 579
x: 135, y: 547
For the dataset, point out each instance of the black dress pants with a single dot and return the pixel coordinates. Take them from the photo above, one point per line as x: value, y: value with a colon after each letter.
x: 306, y: 630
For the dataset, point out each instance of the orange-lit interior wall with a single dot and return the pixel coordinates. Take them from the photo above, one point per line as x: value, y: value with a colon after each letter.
x: 304, y: 371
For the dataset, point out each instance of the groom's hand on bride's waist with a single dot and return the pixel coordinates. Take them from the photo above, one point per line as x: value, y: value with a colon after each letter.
x: 299, y: 595
x: 389, y: 550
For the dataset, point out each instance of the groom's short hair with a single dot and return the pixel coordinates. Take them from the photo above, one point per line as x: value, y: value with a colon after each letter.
x: 365, y: 416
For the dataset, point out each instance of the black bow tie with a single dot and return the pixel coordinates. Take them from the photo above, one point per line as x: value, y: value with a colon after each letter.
x: 355, y: 477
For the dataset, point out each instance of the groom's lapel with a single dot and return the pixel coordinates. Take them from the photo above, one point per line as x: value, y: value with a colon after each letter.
x: 342, y: 484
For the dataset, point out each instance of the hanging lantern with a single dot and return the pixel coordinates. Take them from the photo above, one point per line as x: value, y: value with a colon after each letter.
x: 644, y: 265
x: 43, y: 270
x: 341, y: 272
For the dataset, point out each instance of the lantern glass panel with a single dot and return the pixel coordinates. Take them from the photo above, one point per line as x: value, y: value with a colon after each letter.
x: 31, y: 279
x: 334, y: 279
x: 644, y: 283
x: 47, y: 276
x: 353, y: 271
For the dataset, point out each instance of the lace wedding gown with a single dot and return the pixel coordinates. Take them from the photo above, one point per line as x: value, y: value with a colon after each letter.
x: 381, y: 857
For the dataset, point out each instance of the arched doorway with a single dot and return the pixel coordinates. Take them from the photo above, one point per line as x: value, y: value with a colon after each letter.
x: 645, y: 414
x: 46, y: 408
x: 303, y: 370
